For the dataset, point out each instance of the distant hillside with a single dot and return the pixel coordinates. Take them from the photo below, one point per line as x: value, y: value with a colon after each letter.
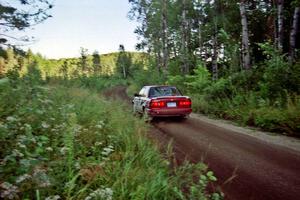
x: 108, y: 61
x: 11, y: 58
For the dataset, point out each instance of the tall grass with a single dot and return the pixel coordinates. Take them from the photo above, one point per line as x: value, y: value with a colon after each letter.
x: 69, y: 143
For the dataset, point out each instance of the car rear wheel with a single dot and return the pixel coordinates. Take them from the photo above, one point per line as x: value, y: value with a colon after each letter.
x: 146, y: 116
x: 134, y: 111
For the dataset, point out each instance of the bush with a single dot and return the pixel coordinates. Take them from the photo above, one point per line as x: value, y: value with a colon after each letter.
x: 198, y: 82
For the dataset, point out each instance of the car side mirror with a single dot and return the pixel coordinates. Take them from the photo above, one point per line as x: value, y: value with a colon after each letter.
x: 136, y: 95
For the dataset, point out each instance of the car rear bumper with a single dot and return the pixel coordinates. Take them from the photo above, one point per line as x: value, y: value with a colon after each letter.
x: 166, y: 112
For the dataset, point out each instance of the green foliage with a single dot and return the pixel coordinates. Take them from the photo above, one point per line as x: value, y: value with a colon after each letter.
x: 142, y: 77
x: 177, y: 80
x: 280, y: 77
x: 67, y: 142
x: 199, y: 81
x: 97, y: 83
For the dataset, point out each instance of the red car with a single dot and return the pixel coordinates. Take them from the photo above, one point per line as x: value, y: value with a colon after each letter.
x: 161, y: 101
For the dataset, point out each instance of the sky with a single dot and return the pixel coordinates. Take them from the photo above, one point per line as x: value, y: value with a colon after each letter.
x: 100, y: 25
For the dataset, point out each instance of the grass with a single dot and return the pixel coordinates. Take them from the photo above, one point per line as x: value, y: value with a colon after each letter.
x: 249, y: 110
x: 70, y: 143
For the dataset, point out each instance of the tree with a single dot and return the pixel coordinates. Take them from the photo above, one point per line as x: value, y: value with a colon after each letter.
x: 245, y: 36
x: 124, y: 62
x: 96, y: 63
x: 83, y: 61
x: 64, y: 70
x: 21, y: 14
x: 165, y: 35
x: 184, y: 38
x: 280, y: 4
x: 214, y: 58
x: 293, y: 33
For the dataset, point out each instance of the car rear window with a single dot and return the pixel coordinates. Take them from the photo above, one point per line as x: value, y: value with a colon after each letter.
x: 164, y: 91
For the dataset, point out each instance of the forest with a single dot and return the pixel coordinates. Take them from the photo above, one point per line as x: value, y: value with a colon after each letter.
x: 60, y: 138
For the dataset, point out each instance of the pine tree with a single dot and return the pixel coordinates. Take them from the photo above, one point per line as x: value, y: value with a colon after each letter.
x: 21, y: 15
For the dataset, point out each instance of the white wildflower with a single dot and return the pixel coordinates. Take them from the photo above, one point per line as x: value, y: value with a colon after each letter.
x: 21, y: 145
x: 56, y: 197
x: 99, y: 126
x: 77, y: 128
x: 64, y: 150
x: 106, y: 193
x: 3, y: 125
x: 11, y: 119
x: 45, y: 125
x: 27, y: 126
x: 98, y: 143
x: 17, y: 153
x: 41, y: 178
x: 22, y: 178
x: 70, y: 106
x: 77, y: 165
x: 39, y: 112
x: 50, y: 149
x: 53, y: 129
x: 9, y: 191
x: 107, y: 150
x: 48, y: 101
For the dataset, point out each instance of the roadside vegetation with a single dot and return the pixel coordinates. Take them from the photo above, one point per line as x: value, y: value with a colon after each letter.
x: 62, y: 140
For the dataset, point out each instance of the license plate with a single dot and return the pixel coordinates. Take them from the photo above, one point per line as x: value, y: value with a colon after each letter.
x: 171, y: 104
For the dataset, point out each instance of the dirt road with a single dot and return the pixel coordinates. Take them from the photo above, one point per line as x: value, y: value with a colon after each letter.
x: 247, y: 167
x: 257, y: 169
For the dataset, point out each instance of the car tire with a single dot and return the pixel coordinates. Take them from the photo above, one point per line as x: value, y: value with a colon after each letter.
x: 134, y: 111
x: 146, y: 116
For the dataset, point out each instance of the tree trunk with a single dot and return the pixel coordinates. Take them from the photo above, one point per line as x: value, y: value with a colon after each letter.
x: 124, y: 71
x: 165, y: 36
x: 293, y: 34
x: 185, y: 67
x: 214, y: 58
x: 245, y: 37
x: 280, y: 24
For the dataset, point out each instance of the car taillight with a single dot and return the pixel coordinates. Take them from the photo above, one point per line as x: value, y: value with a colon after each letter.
x: 185, y: 103
x: 157, y: 104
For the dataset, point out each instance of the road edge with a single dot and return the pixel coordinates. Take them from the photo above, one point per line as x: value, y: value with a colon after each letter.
x: 269, y: 137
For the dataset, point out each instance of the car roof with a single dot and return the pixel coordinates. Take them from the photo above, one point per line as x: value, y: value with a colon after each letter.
x: 159, y: 86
